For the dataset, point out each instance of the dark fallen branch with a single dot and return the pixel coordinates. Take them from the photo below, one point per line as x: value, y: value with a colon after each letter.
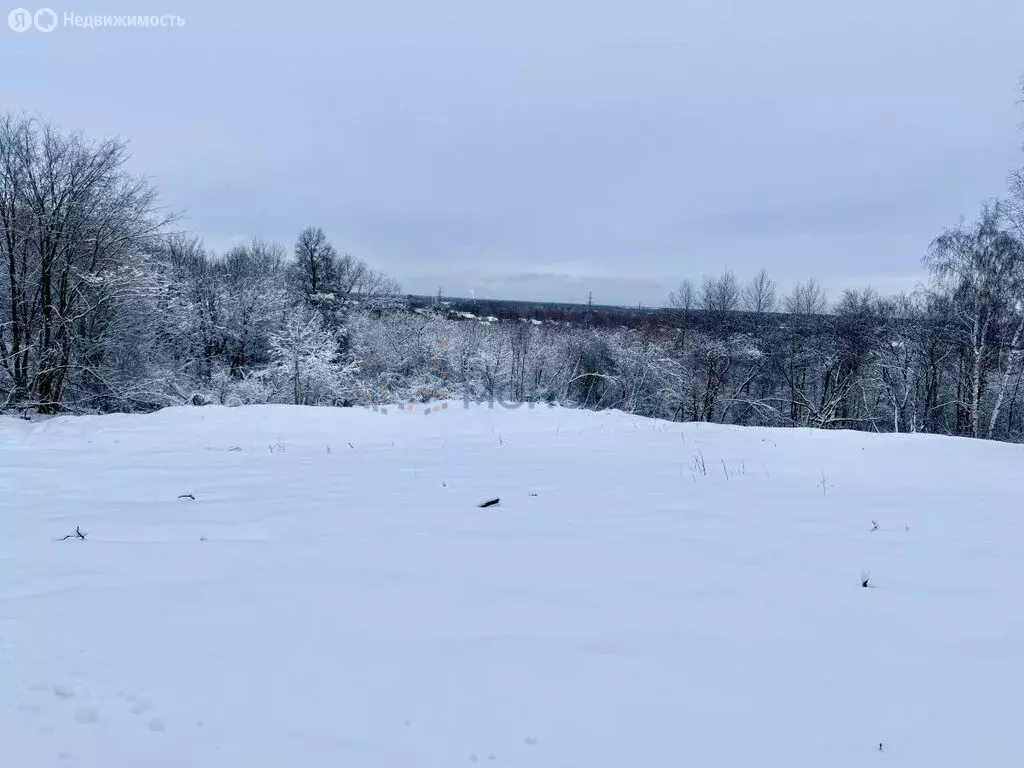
x: 78, y: 534
x: 489, y: 503
x: 187, y: 496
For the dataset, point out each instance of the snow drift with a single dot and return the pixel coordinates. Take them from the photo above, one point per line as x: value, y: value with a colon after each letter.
x: 271, y: 586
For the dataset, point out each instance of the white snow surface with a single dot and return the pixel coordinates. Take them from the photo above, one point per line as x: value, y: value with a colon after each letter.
x: 335, y: 597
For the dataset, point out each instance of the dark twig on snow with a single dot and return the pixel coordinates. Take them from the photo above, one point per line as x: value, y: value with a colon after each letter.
x: 489, y: 503
x: 187, y: 496
x: 78, y: 534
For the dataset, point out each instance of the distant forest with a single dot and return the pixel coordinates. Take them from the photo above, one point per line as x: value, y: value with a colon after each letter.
x: 595, y: 315
x: 106, y: 306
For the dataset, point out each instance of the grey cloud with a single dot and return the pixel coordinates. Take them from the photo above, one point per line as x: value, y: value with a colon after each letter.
x: 606, y: 146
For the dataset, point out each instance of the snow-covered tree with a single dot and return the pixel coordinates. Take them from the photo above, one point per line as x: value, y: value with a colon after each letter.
x: 75, y: 232
x: 307, y: 357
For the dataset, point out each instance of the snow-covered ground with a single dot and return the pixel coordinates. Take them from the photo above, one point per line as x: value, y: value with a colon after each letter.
x: 333, y: 596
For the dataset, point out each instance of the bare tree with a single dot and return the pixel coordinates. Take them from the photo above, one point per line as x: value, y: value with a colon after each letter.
x: 682, y: 302
x: 895, y: 367
x: 375, y: 290
x: 981, y: 265
x: 720, y: 295
x: 759, y: 299
x: 315, y: 267
x: 800, y: 352
x: 759, y: 294
x: 684, y: 298
x: 806, y: 299
x: 335, y: 283
x: 75, y: 233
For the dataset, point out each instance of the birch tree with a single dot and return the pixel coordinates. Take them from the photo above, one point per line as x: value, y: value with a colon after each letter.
x: 980, y: 265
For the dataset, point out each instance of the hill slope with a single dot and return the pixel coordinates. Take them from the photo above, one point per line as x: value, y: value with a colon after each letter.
x: 333, y: 595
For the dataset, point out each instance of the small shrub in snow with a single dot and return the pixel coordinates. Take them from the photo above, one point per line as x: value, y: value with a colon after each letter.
x: 698, y: 464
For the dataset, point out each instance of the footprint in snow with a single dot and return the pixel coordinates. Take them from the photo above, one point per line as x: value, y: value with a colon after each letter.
x: 63, y: 691
x: 140, y: 707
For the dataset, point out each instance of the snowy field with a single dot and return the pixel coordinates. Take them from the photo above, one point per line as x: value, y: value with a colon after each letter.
x: 333, y: 595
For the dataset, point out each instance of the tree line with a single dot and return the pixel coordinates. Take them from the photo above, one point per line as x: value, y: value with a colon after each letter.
x: 105, y: 307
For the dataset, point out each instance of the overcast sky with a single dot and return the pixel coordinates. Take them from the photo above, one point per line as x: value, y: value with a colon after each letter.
x: 541, y: 149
